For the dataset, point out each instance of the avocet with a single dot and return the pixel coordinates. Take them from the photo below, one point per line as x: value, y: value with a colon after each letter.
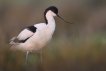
x: 35, y: 37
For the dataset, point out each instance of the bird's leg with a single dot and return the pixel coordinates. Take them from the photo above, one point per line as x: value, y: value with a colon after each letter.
x: 26, y: 57
x: 41, y: 55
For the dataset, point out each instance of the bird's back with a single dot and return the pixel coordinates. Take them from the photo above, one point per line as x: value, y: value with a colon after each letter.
x: 38, y: 40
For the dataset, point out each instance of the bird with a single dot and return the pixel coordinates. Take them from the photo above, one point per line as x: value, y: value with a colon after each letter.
x: 36, y: 37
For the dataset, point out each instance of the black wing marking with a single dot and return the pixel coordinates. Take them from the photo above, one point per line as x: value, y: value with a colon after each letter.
x: 26, y: 34
x: 32, y: 28
x: 22, y: 41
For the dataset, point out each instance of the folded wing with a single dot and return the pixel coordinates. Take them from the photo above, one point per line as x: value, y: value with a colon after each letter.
x: 26, y: 33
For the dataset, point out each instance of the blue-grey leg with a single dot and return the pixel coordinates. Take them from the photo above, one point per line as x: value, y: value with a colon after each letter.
x: 41, y: 55
x: 26, y: 57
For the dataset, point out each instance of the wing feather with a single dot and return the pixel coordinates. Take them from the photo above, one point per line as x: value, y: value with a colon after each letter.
x: 25, y: 34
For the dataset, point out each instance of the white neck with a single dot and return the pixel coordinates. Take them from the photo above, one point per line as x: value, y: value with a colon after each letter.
x: 51, y: 21
x: 50, y: 18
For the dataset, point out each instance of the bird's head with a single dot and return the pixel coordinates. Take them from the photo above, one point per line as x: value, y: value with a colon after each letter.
x: 53, y: 11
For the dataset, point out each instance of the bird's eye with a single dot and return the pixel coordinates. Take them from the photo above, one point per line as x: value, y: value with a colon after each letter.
x: 54, y: 11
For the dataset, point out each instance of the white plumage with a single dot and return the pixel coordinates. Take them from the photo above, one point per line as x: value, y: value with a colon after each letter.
x: 35, y: 37
x: 25, y: 34
x: 37, y: 40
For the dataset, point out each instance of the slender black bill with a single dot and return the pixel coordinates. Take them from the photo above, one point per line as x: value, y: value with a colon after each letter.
x: 63, y: 19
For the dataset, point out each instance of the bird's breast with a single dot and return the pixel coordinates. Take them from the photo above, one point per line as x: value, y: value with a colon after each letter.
x: 42, y: 37
x: 45, y: 35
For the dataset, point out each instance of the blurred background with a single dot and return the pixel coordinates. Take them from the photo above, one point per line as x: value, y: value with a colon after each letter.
x: 74, y: 47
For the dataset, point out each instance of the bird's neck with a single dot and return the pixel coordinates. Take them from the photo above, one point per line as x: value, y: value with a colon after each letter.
x: 49, y: 18
x: 50, y: 22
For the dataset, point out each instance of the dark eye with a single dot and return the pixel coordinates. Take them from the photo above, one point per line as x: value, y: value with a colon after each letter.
x: 55, y: 11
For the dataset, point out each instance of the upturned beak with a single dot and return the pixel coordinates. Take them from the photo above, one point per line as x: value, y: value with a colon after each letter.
x: 63, y: 19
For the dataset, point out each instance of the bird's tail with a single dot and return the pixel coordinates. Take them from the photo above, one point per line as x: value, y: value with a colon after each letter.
x: 12, y: 41
x: 15, y: 45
